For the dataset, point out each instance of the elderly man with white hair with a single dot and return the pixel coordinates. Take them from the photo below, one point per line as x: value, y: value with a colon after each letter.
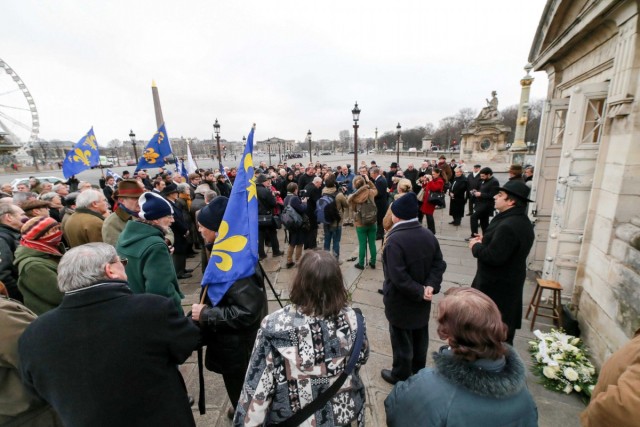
x: 117, y: 361
x: 85, y: 225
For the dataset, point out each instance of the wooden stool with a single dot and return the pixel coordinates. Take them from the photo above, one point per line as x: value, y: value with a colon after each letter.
x: 555, y: 307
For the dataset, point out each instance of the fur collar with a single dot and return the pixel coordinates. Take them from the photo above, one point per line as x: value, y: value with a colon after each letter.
x: 471, y: 376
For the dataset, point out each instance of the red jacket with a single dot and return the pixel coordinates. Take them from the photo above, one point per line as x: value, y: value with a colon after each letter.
x: 434, y: 185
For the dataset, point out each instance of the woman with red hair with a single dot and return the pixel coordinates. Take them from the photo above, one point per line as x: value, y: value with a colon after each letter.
x: 477, y: 379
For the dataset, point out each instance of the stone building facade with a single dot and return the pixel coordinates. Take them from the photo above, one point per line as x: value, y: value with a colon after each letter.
x: 587, y: 175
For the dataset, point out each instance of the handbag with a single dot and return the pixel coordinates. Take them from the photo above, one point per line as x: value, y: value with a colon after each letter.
x: 436, y: 198
x: 420, y: 195
x: 277, y: 222
x: 265, y: 220
x: 319, y: 402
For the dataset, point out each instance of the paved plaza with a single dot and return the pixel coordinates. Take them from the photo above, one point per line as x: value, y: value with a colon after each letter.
x: 554, y: 409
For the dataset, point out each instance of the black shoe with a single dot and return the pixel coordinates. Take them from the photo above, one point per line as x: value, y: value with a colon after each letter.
x: 291, y: 264
x: 358, y: 266
x: 372, y: 265
x: 277, y: 254
x: 188, y: 270
x: 452, y: 223
x: 185, y: 276
x: 468, y: 239
x: 469, y: 214
x: 191, y: 255
x: 380, y: 291
x: 230, y: 413
x: 388, y: 376
x: 191, y: 400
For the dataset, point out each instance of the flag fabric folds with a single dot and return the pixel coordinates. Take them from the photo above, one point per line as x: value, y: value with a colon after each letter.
x: 115, y: 176
x: 156, y: 150
x: 235, y: 251
x: 191, y: 164
x: 183, y: 170
x: 82, y: 156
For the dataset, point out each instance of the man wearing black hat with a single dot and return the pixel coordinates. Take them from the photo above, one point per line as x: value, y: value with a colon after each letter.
x: 484, y: 201
x: 413, y: 268
x: 230, y: 324
x: 502, y: 254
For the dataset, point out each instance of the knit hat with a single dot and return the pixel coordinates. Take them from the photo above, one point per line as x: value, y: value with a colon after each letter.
x: 170, y: 188
x: 405, y: 207
x: 153, y: 206
x: 211, y: 215
x: 37, y: 227
x: 42, y: 234
x: 128, y: 188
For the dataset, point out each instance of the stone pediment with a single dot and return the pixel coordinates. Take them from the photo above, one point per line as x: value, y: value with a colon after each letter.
x: 562, y: 23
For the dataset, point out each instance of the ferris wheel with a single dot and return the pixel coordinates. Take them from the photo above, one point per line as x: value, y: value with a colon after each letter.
x: 19, y: 122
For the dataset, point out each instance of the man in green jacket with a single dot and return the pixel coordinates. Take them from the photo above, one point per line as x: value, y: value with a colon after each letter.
x: 143, y: 244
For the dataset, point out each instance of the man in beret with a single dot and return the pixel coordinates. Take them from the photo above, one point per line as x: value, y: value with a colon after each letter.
x: 502, y: 253
x: 232, y: 319
x: 127, y: 194
x: 413, y: 268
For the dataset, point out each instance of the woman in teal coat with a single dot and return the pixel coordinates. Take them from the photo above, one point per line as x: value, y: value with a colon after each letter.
x: 143, y: 244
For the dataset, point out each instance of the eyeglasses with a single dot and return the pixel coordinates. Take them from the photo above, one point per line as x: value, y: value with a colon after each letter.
x: 124, y: 261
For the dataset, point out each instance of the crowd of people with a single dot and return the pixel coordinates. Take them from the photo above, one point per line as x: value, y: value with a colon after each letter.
x: 93, y: 302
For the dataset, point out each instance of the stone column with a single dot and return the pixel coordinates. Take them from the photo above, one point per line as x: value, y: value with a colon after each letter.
x: 523, y: 111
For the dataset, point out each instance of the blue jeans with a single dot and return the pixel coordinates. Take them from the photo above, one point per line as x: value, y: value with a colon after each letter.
x: 336, y: 235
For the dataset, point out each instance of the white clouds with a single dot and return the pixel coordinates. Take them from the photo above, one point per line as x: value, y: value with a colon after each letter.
x: 286, y: 65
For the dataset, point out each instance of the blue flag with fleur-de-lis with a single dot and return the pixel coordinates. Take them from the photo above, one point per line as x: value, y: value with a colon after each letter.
x: 235, y: 251
x: 82, y: 156
x: 156, y: 150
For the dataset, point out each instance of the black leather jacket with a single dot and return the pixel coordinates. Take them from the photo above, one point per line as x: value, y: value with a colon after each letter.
x: 231, y: 327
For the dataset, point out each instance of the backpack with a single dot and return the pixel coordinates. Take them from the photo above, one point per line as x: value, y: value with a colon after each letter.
x: 327, y: 209
x: 290, y: 218
x: 368, y: 213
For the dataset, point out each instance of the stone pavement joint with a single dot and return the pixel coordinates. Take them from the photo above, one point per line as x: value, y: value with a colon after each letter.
x: 554, y: 409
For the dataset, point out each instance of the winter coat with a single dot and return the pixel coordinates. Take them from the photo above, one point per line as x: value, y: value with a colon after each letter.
x: 150, y: 268
x: 84, y: 226
x: 230, y: 328
x: 180, y: 227
x: 502, y: 262
x: 436, y: 185
x: 348, y: 178
x: 447, y: 172
x: 359, y: 197
x: 17, y: 405
x: 113, y: 226
x: 411, y: 260
x: 474, y: 181
x: 412, y: 175
x: 106, y: 357
x: 296, y: 357
x: 38, y: 279
x: 296, y: 237
x: 9, y: 241
x: 457, y: 392
x: 341, y: 204
x: 458, y: 194
x: 615, y: 400
x: 485, y: 203
x: 381, y: 199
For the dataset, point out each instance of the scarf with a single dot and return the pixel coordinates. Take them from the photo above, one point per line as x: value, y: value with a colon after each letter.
x: 48, y: 244
x: 34, y: 235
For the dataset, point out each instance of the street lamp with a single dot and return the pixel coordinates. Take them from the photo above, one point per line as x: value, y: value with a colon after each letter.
x: 398, y: 129
x: 244, y: 143
x: 133, y: 143
x: 356, y: 116
x: 216, y: 129
x: 309, y: 141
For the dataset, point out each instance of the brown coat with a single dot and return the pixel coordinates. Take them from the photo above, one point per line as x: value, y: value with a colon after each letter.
x: 84, y: 226
x: 360, y: 196
x: 615, y: 401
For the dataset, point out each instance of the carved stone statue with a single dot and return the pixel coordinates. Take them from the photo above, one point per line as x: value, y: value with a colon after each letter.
x: 490, y: 112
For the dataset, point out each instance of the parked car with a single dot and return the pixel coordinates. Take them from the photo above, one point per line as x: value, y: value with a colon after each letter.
x: 325, y: 153
x: 132, y: 163
x: 103, y: 163
x: 389, y: 150
x: 51, y: 179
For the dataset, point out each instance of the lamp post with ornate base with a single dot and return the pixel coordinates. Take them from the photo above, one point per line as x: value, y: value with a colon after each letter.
x: 309, y: 141
x: 216, y: 130
x: 133, y: 144
x: 399, y: 130
x: 356, y: 116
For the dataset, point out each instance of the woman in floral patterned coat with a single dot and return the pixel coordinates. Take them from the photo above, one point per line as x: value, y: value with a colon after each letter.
x: 302, y: 349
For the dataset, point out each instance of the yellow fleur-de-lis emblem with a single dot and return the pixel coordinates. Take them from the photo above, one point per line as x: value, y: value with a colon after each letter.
x: 251, y: 189
x: 90, y: 140
x: 82, y: 156
x: 223, y: 245
x: 160, y: 137
x: 150, y: 155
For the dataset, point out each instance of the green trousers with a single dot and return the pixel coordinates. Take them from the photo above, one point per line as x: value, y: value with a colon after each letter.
x: 367, y: 233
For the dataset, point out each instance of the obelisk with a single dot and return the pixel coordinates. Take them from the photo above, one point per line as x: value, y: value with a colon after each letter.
x: 523, y: 112
x: 156, y: 104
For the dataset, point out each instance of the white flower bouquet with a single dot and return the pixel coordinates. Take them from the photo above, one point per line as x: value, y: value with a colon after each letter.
x: 561, y: 362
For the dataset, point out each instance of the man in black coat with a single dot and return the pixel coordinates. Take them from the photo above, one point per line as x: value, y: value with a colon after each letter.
x: 381, y: 198
x: 502, y: 254
x: 266, y: 206
x: 107, y: 357
x: 473, y: 180
x: 413, y: 269
x: 11, y: 217
x: 484, y: 202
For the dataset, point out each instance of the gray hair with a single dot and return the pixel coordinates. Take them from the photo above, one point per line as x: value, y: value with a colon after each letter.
x: 47, y: 197
x: 6, y: 208
x: 57, y: 187
x: 87, y: 197
x: 209, y: 195
x: 317, y: 179
x: 20, y: 197
x: 83, y: 265
x: 182, y: 188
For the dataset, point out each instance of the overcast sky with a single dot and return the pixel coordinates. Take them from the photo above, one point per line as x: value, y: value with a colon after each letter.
x: 287, y: 65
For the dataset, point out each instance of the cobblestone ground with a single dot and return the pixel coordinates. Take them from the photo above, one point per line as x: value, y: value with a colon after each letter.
x: 554, y: 409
